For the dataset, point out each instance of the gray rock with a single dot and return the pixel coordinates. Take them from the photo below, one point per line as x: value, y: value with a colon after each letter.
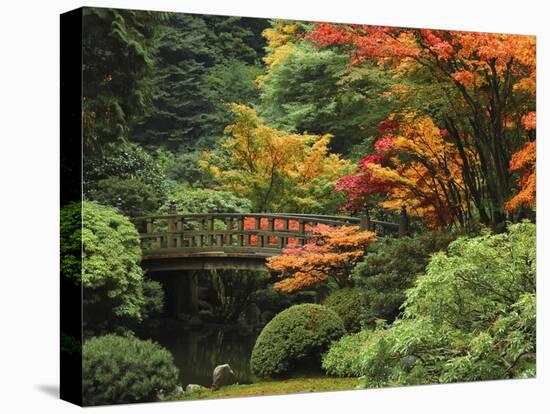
x: 408, y: 362
x: 178, y: 390
x: 160, y: 395
x: 223, y: 375
x: 194, y: 387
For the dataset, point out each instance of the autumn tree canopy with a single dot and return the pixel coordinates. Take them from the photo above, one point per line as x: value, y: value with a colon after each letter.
x: 489, y: 81
x: 275, y: 169
x: 413, y: 167
x: 330, y: 254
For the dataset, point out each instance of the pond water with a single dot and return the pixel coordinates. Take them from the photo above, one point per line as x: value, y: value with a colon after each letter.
x: 198, y: 352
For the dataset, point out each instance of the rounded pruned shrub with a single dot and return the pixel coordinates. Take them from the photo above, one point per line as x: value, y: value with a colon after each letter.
x: 118, y: 369
x: 295, y: 337
x: 347, y: 303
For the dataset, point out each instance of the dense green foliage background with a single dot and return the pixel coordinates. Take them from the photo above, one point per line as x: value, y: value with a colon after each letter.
x: 389, y: 268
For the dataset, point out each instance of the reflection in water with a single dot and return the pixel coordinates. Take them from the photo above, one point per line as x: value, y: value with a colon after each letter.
x: 198, y: 352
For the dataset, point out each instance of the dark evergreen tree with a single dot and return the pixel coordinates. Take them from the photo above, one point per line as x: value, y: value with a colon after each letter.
x: 118, y: 56
x: 203, y: 63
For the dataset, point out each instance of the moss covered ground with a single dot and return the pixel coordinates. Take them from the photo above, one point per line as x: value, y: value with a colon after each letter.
x: 274, y: 387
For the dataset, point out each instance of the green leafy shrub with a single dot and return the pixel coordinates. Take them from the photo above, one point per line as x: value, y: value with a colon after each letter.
x: 343, y: 359
x: 472, y: 316
x: 154, y: 298
x: 110, y: 272
x: 389, y: 268
x: 185, y: 167
x: 118, y: 369
x: 271, y: 299
x: 124, y: 161
x: 130, y: 195
x: 206, y: 201
x: 347, y: 304
x: 296, y: 336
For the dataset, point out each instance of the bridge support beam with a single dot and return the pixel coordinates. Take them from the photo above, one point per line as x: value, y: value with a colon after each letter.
x: 403, y: 223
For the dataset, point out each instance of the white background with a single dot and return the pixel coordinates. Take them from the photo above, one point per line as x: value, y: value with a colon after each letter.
x: 29, y: 193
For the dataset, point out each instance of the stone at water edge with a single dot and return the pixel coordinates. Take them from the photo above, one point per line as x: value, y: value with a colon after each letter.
x: 194, y: 387
x: 223, y: 375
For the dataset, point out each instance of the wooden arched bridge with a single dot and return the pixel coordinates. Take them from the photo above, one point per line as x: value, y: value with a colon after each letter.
x: 234, y: 240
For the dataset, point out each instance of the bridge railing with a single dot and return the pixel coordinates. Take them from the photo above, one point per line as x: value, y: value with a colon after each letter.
x: 237, y: 232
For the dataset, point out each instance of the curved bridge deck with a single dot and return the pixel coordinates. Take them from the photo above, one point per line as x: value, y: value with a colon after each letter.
x: 234, y: 240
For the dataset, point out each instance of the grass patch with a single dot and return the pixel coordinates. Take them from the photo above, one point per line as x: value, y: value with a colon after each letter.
x: 274, y: 387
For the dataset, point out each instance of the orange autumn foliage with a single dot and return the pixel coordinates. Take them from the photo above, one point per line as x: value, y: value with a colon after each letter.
x: 524, y: 163
x: 427, y: 173
x: 489, y: 82
x: 331, y: 253
x: 415, y: 167
x: 529, y: 121
x: 472, y: 53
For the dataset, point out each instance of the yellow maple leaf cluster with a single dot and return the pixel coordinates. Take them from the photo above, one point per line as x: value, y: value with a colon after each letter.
x: 425, y: 175
x: 277, y: 170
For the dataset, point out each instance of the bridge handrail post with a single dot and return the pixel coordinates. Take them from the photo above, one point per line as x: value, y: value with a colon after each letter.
x: 283, y: 241
x: 270, y: 228
x: 210, y: 228
x: 302, y: 231
x: 229, y: 228
x: 149, y: 225
x: 364, y: 223
x: 258, y: 227
x: 240, y: 227
x: 403, y: 222
x: 170, y: 233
